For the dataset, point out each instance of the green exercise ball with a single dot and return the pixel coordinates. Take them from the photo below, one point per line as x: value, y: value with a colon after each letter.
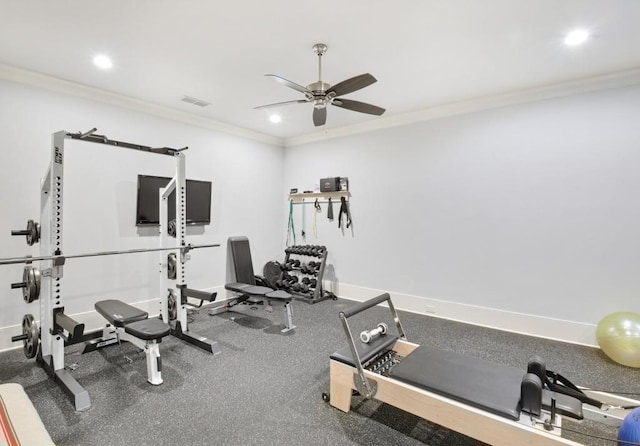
x: 618, y: 336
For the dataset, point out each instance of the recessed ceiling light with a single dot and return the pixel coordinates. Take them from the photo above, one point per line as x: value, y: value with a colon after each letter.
x: 275, y: 119
x: 576, y: 37
x: 103, y: 62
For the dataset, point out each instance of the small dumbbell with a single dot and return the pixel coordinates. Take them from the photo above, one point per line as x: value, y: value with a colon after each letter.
x: 367, y: 336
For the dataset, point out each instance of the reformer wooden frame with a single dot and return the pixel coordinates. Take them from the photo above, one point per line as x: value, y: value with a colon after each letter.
x: 467, y: 420
x: 446, y: 412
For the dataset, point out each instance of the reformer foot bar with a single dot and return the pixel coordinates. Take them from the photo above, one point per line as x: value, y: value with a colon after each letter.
x: 493, y: 403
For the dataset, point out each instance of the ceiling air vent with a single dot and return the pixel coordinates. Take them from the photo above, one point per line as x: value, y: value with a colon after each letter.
x: 195, y: 101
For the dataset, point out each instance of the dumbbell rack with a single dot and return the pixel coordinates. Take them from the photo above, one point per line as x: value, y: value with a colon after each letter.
x: 316, y: 293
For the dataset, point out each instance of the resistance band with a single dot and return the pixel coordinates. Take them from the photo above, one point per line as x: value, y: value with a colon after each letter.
x: 290, y: 229
x: 316, y: 211
x: 344, y: 209
x: 330, y: 210
x: 304, y: 223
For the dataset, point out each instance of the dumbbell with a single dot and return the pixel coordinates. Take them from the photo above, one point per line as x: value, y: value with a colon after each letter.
x: 313, y: 283
x: 296, y: 263
x: 367, y: 336
x: 306, y: 280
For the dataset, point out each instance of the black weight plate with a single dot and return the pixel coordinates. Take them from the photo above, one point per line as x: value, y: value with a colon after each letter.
x: 172, y: 265
x: 272, y: 272
x: 32, y: 342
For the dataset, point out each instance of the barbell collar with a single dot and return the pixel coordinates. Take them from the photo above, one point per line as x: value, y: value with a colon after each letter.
x: 60, y: 258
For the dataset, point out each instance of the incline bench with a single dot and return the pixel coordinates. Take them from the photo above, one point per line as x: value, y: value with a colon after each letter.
x: 247, y: 287
x: 128, y: 323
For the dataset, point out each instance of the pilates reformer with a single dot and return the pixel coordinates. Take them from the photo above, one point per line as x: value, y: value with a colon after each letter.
x: 490, y: 402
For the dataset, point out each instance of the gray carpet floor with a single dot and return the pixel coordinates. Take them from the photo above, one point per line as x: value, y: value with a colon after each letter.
x: 265, y: 387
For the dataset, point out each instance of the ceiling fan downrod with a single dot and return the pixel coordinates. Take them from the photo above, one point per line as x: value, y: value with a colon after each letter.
x: 318, y: 88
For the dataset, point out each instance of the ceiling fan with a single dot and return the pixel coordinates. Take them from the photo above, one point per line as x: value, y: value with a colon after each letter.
x: 322, y: 94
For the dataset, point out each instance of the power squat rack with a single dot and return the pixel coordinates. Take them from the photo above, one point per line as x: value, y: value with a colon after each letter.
x: 57, y: 329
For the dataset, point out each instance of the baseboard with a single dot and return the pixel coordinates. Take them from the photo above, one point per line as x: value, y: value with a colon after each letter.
x: 542, y: 327
x: 93, y: 321
x: 538, y: 326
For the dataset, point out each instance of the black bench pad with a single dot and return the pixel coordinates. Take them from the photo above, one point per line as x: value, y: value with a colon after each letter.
x: 366, y: 352
x: 248, y: 289
x: 148, y: 329
x: 119, y: 313
x: 478, y: 383
x: 280, y: 295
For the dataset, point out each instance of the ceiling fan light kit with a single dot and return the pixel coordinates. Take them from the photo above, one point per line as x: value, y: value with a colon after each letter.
x: 321, y: 94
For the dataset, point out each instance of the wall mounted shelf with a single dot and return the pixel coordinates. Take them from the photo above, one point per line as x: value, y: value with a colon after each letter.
x: 322, y: 197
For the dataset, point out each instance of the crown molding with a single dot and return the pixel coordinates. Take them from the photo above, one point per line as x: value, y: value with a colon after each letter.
x: 584, y: 85
x: 22, y: 76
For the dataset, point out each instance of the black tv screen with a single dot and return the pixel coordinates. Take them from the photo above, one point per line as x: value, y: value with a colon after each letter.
x: 148, y: 207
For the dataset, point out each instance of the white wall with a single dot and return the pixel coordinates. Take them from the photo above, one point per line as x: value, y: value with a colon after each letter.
x: 528, y: 209
x: 100, y: 196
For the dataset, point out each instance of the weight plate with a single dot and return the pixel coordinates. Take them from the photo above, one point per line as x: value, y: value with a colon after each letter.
x: 272, y: 273
x: 30, y: 329
x: 33, y: 232
x: 172, y: 306
x: 172, y: 266
x: 32, y: 278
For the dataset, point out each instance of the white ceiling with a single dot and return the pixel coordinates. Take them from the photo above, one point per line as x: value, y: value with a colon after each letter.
x: 424, y: 53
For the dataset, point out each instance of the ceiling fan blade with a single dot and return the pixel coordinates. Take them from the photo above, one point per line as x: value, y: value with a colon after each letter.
x: 352, y: 84
x: 288, y: 83
x: 278, y: 104
x: 319, y: 116
x: 358, y: 106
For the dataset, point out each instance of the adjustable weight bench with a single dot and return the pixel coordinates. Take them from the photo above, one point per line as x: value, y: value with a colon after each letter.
x: 128, y: 323
x: 493, y: 403
x: 247, y: 287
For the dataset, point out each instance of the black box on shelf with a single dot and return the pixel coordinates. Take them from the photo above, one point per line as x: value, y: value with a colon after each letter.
x: 331, y: 184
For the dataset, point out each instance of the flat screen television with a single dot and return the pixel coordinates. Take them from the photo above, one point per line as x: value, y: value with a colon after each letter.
x: 148, y: 207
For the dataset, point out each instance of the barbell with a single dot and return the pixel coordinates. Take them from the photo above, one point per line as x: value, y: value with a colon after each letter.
x: 60, y: 259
